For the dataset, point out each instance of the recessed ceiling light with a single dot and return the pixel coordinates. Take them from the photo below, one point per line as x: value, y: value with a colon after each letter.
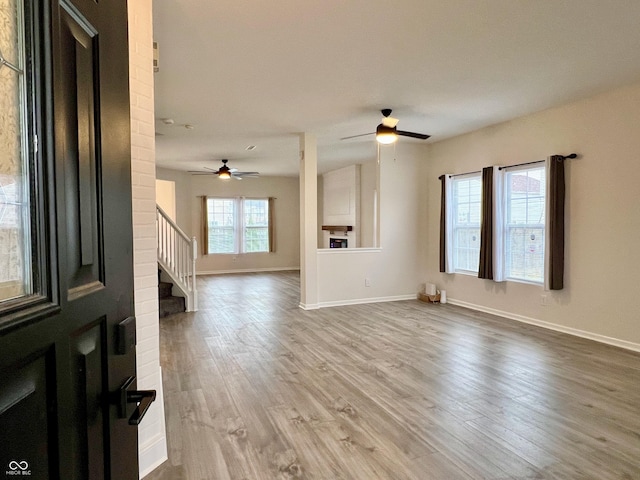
x: 251, y: 147
x: 168, y: 121
x: 188, y: 126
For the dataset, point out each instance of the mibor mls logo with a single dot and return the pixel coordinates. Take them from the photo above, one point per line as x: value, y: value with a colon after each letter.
x: 18, y: 468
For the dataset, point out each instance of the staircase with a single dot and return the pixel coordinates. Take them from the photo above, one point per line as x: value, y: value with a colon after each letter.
x: 177, y: 255
x: 169, y: 304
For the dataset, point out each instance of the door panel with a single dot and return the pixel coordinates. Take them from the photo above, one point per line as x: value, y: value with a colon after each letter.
x: 60, y: 370
x: 25, y: 417
x: 80, y: 83
x: 90, y: 394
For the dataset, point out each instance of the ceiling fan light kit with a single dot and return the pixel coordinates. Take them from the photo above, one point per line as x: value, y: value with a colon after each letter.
x: 386, y: 135
x: 225, y: 173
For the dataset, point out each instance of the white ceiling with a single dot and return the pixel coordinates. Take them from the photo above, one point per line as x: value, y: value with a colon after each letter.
x: 249, y: 72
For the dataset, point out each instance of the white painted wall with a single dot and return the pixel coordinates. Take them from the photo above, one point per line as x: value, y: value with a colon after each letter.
x: 152, y: 444
x: 341, y: 204
x: 189, y: 188
x: 320, y: 187
x: 367, y: 236
x: 182, y: 185
x: 392, y: 270
x: 166, y: 197
x: 602, y: 214
x: 308, y: 185
x: 287, y: 222
x: 368, y: 187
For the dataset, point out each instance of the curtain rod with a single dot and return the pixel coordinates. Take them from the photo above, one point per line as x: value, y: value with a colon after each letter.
x: 520, y: 164
x: 564, y: 157
x: 460, y: 174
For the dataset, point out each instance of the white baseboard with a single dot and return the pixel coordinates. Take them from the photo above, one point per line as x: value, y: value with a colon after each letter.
x: 247, y: 270
x: 152, y: 455
x: 360, y: 301
x: 550, y: 326
x: 153, y: 452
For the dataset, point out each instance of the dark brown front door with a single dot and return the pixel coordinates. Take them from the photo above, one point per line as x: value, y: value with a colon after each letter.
x: 66, y: 346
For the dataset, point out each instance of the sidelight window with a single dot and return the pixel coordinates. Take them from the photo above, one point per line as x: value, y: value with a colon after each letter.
x: 16, y: 276
x: 525, y: 223
x: 466, y: 202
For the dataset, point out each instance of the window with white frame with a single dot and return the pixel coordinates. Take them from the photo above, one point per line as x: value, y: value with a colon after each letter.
x: 525, y: 223
x: 221, y: 220
x: 237, y: 225
x: 466, y: 205
x: 256, y: 225
x: 18, y: 249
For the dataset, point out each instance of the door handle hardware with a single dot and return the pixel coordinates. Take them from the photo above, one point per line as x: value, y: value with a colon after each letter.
x: 142, y: 398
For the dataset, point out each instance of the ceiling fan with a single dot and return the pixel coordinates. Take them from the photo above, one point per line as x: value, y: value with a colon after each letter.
x: 387, y: 133
x: 225, y: 172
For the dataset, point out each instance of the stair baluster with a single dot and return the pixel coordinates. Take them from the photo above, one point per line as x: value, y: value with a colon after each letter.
x: 177, y: 255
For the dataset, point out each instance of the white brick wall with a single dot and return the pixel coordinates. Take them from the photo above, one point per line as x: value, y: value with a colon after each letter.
x: 152, y: 435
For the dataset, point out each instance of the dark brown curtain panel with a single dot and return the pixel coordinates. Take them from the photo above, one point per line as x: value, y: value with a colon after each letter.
x: 272, y: 225
x: 205, y: 227
x: 443, y: 225
x: 485, y: 269
x: 556, y: 198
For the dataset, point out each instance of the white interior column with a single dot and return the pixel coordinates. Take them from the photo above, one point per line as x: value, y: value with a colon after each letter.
x: 308, y: 221
x: 152, y: 441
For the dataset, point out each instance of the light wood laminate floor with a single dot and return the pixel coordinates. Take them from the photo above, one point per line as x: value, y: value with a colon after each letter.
x: 256, y: 388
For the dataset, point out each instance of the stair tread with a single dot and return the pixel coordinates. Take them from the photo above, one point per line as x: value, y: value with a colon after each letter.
x: 172, y: 299
x: 164, y: 289
x: 170, y: 305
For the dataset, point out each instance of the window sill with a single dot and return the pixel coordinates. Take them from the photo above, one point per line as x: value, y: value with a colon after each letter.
x: 526, y: 282
x: 469, y: 273
x: 234, y: 254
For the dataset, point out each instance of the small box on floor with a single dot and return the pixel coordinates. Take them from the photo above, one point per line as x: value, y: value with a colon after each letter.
x: 429, y: 298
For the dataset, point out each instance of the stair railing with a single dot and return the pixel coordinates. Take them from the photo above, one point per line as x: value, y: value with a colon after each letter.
x: 177, y: 255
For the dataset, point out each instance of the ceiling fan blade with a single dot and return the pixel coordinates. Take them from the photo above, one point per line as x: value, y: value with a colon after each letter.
x: 199, y: 172
x: 421, y: 136
x: 245, y: 174
x: 356, y: 136
x: 390, y: 121
x: 207, y: 168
